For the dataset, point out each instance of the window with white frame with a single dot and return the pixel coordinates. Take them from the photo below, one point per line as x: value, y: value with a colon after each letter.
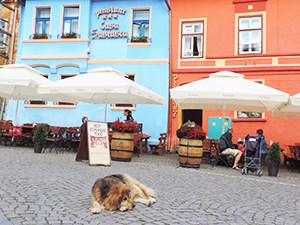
x: 140, y: 25
x: 192, y: 39
x: 125, y: 105
x: 38, y: 102
x: 250, y: 115
x: 250, y: 35
x: 64, y: 76
x: 70, y: 19
x: 42, y: 21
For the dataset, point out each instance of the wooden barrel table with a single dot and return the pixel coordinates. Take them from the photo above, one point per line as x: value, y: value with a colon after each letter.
x: 190, y: 152
x: 122, y: 145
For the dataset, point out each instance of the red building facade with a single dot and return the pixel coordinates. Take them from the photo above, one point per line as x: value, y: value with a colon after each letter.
x: 257, y: 38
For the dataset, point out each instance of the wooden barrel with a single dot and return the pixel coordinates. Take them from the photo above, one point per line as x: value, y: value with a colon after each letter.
x: 190, y: 152
x: 121, y: 147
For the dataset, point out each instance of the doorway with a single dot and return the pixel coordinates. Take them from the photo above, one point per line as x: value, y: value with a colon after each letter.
x: 194, y: 115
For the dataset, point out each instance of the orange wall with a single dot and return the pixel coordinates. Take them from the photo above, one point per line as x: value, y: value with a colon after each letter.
x: 279, y: 67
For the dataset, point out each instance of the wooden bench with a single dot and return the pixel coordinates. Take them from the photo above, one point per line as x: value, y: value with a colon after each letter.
x: 161, y: 147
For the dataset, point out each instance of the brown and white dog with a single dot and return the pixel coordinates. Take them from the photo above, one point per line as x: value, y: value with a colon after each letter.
x: 119, y: 192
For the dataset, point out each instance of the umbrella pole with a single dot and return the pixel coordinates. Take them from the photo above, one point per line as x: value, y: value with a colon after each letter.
x: 223, y: 118
x: 2, y: 108
x: 16, y: 114
x: 105, y: 114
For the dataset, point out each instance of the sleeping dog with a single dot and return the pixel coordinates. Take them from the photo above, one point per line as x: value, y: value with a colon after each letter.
x: 119, y: 192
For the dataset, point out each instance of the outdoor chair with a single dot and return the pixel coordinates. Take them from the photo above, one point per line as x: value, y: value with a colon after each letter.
x: 217, y: 157
x: 161, y: 147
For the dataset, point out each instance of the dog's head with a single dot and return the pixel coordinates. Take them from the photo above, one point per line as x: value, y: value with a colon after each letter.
x: 120, y: 199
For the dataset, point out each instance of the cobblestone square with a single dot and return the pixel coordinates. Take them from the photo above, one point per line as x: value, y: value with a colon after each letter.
x: 54, y: 189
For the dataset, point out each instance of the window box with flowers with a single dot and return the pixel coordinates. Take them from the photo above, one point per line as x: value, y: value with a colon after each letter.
x: 190, y: 150
x: 139, y: 39
x: 122, y: 142
x: 40, y: 36
x: 69, y: 35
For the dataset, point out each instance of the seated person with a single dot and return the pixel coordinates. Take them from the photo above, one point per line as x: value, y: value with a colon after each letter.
x: 227, y: 147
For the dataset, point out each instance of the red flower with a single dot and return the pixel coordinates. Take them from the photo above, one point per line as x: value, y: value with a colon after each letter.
x: 125, y: 127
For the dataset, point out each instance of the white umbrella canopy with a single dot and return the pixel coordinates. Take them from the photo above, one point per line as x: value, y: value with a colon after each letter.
x: 20, y: 82
x: 227, y: 90
x: 290, y: 109
x: 103, y: 86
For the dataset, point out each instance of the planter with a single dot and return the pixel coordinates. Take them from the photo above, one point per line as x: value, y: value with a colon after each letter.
x: 122, y: 145
x: 190, y: 152
x: 273, y: 170
x: 37, y: 147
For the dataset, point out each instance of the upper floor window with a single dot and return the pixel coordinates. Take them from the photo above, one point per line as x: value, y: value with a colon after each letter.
x: 3, y: 33
x: 192, y: 39
x: 42, y: 21
x: 125, y: 105
x: 250, y: 35
x: 64, y: 76
x: 39, y: 102
x: 70, y: 20
x: 140, y: 25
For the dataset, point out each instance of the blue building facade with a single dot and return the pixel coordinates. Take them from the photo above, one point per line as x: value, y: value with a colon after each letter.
x: 63, y: 38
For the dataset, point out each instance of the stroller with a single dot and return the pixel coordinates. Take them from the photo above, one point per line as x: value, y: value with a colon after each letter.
x: 252, y: 161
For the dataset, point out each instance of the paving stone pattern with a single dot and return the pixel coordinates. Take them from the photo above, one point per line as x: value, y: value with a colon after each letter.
x: 54, y: 189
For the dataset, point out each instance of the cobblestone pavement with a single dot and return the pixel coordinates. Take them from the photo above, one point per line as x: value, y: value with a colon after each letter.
x: 53, y: 189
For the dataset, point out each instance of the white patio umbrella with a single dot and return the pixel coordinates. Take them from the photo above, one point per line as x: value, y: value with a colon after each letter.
x: 103, y: 86
x: 20, y: 82
x: 290, y: 109
x: 226, y: 90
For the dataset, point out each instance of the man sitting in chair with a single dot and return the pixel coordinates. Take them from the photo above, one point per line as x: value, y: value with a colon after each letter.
x: 227, y: 147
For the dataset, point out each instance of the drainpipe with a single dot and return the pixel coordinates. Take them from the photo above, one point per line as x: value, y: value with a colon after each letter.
x: 169, y: 142
x: 13, y: 33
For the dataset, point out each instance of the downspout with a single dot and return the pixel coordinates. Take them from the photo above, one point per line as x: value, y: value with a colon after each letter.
x: 12, y: 43
x: 169, y: 142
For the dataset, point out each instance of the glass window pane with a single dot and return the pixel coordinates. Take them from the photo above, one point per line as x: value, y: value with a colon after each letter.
x: 244, y: 37
x: 71, y: 12
x: 187, y: 29
x: 136, y: 30
x: 244, y: 23
x: 256, y: 22
x: 255, y: 36
x: 74, y: 26
x: 198, y: 28
x: 43, y: 13
x: 141, y: 15
x: 39, y: 27
x: 47, y: 30
x: 187, y: 46
x: 67, y: 26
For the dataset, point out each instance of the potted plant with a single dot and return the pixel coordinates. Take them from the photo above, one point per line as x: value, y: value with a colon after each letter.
x: 69, y: 35
x: 273, y: 159
x: 191, y: 136
x: 122, y: 141
x: 139, y: 39
x: 40, y: 36
x: 39, y: 137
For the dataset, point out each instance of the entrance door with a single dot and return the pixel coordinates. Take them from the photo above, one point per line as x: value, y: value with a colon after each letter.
x: 194, y: 115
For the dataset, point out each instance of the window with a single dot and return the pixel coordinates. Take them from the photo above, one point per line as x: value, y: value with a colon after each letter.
x: 70, y: 20
x: 250, y: 35
x: 63, y: 77
x: 38, y: 102
x: 251, y: 115
x: 42, y: 21
x: 192, y: 39
x: 140, y: 25
x: 125, y: 105
x: 3, y: 35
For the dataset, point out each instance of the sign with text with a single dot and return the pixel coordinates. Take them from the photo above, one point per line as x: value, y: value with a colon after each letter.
x: 98, y: 143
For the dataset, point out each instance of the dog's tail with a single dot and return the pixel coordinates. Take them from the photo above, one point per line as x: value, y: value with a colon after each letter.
x: 148, y: 192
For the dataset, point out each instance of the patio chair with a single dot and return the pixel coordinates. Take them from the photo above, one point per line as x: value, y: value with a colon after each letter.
x: 161, y: 147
